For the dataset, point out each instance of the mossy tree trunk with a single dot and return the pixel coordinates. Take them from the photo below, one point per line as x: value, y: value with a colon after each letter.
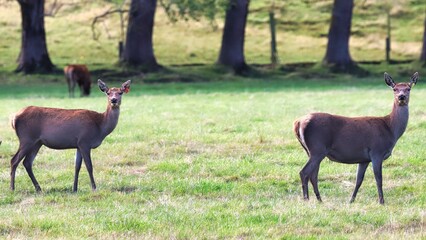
x: 138, y: 48
x: 337, y: 53
x: 33, y: 56
x: 232, y: 49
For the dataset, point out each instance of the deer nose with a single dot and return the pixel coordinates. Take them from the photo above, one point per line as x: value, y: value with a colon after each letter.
x: 401, y: 97
x: 114, y: 100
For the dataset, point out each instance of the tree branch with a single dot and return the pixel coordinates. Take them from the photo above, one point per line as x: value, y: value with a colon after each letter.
x: 103, y: 16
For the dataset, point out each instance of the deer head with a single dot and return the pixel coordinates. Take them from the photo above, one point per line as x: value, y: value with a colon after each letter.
x: 114, y: 94
x: 401, y: 91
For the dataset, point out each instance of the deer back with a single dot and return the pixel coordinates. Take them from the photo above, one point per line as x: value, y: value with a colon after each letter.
x: 58, y: 128
x: 346, y: 139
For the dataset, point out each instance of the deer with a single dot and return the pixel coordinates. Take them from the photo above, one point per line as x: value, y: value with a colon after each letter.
x: 76, y: 74
x: 59, y: 128
x: 353, y: 140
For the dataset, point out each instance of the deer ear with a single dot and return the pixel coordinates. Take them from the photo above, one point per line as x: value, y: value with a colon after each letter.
x: 125, y: 87
x: 414, y: 79
x: 389, y: 81
x: 104, y: 88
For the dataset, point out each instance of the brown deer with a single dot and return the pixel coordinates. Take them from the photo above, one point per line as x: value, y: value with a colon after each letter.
x: 357, y: 140
x: 64, y: 129
x: 78, y: 75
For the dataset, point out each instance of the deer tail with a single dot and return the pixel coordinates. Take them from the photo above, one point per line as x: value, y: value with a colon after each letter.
x: 13, y: 121
x: 299, y: 132
x: 15, y: 117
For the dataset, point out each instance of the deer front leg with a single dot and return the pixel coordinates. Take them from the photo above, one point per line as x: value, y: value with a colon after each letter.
x: 359, y: 178
x: 85, y: 152
x: 377, y: 168
x: 78, y: 161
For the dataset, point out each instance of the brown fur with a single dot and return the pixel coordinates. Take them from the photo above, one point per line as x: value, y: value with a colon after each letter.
x: 76, y: 74
x: 353, y: 140
x: 64, y: 129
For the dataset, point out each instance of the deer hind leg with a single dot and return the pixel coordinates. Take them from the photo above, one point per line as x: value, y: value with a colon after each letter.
x: 310, y: 171
x: 28, y: 163
x: 78, y: 161
x: 23, y: 150
x: 85, y: 152
x: 71, y: 88
x: 81, y: 86
x: 359, y: 178
x: 314, y: 182
x: 71, y: 84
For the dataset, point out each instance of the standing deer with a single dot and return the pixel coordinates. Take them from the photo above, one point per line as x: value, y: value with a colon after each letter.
x: 64, y: 129
x: 78, y: 75
x: 358, y: 140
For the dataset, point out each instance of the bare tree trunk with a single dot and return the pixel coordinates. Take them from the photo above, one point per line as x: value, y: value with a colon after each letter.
x: 232, y: 49
x: 423, y: 54
x: 338, y: 36
x: 138, y: 49
x: 34, y: 56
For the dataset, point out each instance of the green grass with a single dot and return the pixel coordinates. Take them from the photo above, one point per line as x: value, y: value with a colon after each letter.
x: 214, y: 160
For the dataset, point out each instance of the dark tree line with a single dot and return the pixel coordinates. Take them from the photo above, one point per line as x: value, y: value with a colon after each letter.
x: 139, y: 49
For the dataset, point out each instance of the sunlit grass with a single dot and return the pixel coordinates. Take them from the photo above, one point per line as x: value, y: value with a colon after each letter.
x: 214, y: 159
x: 197, y: 161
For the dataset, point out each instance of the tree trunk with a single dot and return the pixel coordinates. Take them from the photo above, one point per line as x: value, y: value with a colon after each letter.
x: 338, y: 36
x: 138, y: 49
x: 272, y: 25
x: 423, y: 54
x: 33, y: 56
x: 232, y: 49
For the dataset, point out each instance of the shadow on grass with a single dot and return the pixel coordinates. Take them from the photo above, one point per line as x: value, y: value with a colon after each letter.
x: 62, y: 190
x: 202, y: 78
x: 124, y: 189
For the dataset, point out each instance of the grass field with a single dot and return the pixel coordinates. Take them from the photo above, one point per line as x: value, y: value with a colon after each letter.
x: 215, y: 160
x: 302, y: 28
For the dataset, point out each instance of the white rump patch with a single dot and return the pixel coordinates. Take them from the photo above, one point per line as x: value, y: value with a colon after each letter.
x: 303, y: 123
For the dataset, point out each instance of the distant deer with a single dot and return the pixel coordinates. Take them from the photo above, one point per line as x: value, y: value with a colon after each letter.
x: 64, y: 129
x: 358, y: 140
x: 78, y: 75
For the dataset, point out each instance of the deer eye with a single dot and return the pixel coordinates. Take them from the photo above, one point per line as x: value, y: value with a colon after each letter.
x: 121, y: 93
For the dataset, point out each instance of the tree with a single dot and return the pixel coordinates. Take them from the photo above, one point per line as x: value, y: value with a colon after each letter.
x: 33, y: 56
x: 138, y: 48
x: 232, y: 49
x: 337, y: 53
x: 423, y: 54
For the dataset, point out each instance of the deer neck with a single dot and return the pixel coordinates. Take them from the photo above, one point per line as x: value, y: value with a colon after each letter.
x: 398, y: 119
x: 110, y: 119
